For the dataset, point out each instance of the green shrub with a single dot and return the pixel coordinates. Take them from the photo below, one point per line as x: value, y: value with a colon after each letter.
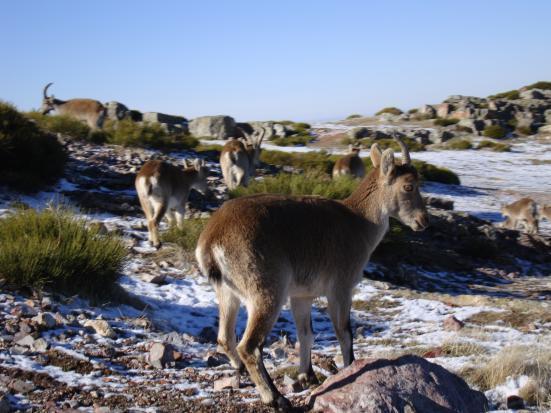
x: 524, y: 130
x: 539, y: 85
x: 413, y: 111
x: 461, y: 128
x: 445, y: 121
x: 458, y: 144
x: 308, y: 161
x: 354, y: 116
x: 511, y: 95
x: 29, y: 157
x: 392, y: 110
x: 494, y: 131
x: 494, y: 146
x: 293, y: 140
x: 187, y: 236
x: 310, y: 183
x: 62, y: 124
x: 55, y: 249
x: 433, y: 173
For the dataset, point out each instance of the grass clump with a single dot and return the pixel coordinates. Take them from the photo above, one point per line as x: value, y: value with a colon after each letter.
x: 539, y: 85
x: 511, y: 95
x: 445, y: 121
x: 412, y: 144
x: 516, y: 361
x: 433, y: 173
x: 308, y: 161
x: 458, y: 144
x: 354, y: 116
x: 187, y: 236
x: 29, y: 157
x: 494, y: 131
x: 55, y: 249
x: 301, y: 139
x: 494, y: 146
x: 392, y: 110
x: 524, y: 130
x: 62, y: 124
x: 310, y: 183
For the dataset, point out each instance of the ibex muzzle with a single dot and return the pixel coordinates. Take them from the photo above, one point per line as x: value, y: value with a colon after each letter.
x: 262, y: 249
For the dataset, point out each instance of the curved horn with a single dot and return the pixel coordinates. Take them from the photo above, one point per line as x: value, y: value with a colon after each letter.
x: 261, y: 134
x: 406, y: 160
x: 46, y: 89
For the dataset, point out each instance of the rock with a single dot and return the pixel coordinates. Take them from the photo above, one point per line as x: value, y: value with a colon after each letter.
x: 135, y: 115
x: 532, y: 94
x: 440, y: 136
x: 384, y: 385
x: 158, y: 279
x: 26, y: 341
x: 220, y: 127
x: 428, y: 111
x: 40, y: 345
x: 4, y: 404
x: 360, y: 133
x: 216, y: 359
x: 174, y: 338
x: 20, y: 386
x: 116, y: 110
x: 231, y: 382
x: 156, y: 117
x: 452, y: 324
x: 161, y: 355
x: 207, y: 335
x: 45, y: 320
x: 46, y: 303
x: 101, y: 327
x: 545, y: 130
x: 475, y: 125
x: 440, y: 203
x: 443, y: 110
x: 515, y: 402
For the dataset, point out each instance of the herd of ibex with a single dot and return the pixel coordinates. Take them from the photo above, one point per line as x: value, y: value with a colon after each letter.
x: 261, y: 250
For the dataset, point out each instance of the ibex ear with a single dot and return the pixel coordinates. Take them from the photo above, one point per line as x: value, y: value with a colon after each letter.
x: 375, y: 154
x: 197, y: 164
x: 387, y: 162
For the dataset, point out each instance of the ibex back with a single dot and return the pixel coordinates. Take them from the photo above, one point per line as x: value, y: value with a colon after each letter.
x: 523, y: 212
x: 88, y: 110
x: 265, y: 248
x: 164, y: 188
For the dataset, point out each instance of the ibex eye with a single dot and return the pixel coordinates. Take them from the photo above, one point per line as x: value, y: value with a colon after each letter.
x: 408, y: 188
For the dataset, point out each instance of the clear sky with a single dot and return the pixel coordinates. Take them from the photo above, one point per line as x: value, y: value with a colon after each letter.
x: 260, y: 60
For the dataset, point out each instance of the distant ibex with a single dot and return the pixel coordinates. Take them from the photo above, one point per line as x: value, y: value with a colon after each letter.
x: 545, y: 212
x: 239, y: 159
x: 262, y: 249
x: 523, y: 212
x: 350, y: 164
x: 88, y: 110
x: 164, y: 188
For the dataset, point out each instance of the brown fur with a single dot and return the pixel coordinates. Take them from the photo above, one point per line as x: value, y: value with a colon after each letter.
x: 350, y: 164
x: 262, y: 249
x: 545, y: 212
x: 163, y: 188
x: 522, y: 212
x: 238, y: 159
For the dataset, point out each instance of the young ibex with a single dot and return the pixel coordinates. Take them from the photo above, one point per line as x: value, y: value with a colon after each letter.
x: 522, y: 212
x: 164, y: 188
x: 262, y: 249
x: 350, y: 164
x: 88, y: 110
x: 239, y: 159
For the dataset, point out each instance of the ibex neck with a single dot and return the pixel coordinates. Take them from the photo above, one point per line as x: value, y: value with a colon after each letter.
x: 366, y: 201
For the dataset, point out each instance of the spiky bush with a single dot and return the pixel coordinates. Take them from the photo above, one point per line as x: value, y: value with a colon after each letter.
x: 539, y: 85
x: 433, y: 173
x: 55, y: 249
x: 392, y: 110
x: 458, y: 144
x: 29, y: 157
x: 511, y: 95
x: 64, y: 125
x: 301, y: 139
x: 494, y: 146
x: 187, y: 236
x: 354, y: 116
x: 494, y: 131
x: 308, y: 161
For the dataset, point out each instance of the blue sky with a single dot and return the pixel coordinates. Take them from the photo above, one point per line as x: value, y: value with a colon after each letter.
x: 258, y: 60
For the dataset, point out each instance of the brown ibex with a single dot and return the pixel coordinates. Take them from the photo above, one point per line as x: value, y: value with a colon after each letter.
x: 164, y: 188
x: 88, y: 110
x: 522, y: 212
x: 239, y: 159
x: 350, y: 164
x: 262, y: 249
x: 545, y: 212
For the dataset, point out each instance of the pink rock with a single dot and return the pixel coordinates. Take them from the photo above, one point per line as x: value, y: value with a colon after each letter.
x: 453, y: 324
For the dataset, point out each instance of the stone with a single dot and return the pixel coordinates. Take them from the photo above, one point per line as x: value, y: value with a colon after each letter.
x: 116, y: 110
x: 40, y: 345
x: 451, y: 323
x: 440, y: 136
x: 359, y: 133
x: 45, y: 320
x: 46, y: 303
x: 428, y: 110
x: 443, y: 110
x: 220, y: 127
x: 20, y: 386
x: 515, y: 402
x: 385, y: 385
x: 101, y: 327
x: 135, y: 115
x: 26, y: 341
x: 156, y: 117
x: 158, y: 279
x: 161, y: 355
x: 231, y: 382
x: 207, y: 335
x: 532, y: 94
x: 440, y: 203
x: 475, y: 125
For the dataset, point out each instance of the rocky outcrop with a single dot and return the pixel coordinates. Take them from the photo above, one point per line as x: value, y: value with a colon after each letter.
x: 405, y: 384
x: 116, y: 110
x: 170, y: 123
x: 219, y: 127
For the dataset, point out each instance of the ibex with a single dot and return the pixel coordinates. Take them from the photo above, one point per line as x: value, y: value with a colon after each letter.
x: 262, y: 249
x: 350, y: 164
x: 88, y: 110
x: 522, y: 212
x: 545, y: 212
x: 239, y: 159
x: 164, y: 188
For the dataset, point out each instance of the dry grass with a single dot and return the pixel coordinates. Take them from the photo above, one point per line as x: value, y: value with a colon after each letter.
x: 375, y: 305
x: 515, y: 361
x: 519, y: 314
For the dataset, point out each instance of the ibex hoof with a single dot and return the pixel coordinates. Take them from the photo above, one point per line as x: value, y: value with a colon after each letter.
x: 307, y: 380
x: 281, y: 404
x: 157, y: 246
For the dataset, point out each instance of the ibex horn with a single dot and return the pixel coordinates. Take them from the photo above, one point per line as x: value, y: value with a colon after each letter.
x: 46, y: 89
x: 406, y: 160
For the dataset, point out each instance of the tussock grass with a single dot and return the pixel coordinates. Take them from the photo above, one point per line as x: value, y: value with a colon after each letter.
x: 494, y: 131
x: 310, y: 183
x: 29, y: 157
x: 511, y: 95
x: 308, y: 161
x: 539, y: 85
x: 445, y: 121
x: 433, y: 173
x: 354, y: 116
x: 55, y: 249
x: 187, y: 236
x: 515, y: 361
x: 301, y: 139
x: 64, y: 125
x: 458, y: 144
x: 392, y: 110
x: 494, y: 146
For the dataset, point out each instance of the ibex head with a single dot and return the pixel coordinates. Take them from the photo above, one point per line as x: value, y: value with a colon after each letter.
x: 47, y: 101
x: 252, y: 144
x: 202, y: 170
x: 354, y: 149
x: 399, y: 183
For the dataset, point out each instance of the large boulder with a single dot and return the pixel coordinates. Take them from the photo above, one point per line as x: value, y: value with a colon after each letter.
x: 116, y: 110
x: 405, y: 384
x: 170, y: 123
x: 220, y: 127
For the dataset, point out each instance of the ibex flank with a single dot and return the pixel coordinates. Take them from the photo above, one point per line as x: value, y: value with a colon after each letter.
x: 261, y: 249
